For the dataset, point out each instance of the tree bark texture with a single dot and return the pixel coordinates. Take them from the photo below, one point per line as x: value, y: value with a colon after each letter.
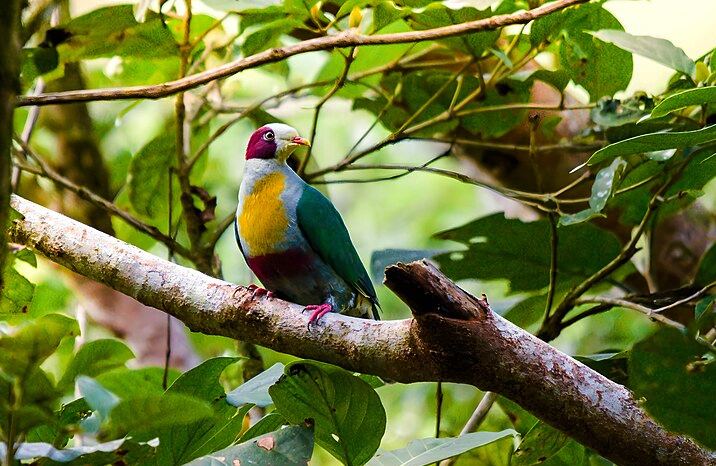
x: 453, y: 337
x: 9, y: 88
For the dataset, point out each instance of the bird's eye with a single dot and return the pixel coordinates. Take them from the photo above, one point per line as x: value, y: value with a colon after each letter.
x: 269, y: 136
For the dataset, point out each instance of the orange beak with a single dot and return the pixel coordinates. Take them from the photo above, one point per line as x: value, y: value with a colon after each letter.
x: 303, y: 142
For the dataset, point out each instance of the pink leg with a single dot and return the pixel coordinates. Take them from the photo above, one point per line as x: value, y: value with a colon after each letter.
x: 259, y: 292
x: 319, y: 310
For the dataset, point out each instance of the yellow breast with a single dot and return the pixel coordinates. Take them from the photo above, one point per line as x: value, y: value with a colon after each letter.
x: 263, y: 220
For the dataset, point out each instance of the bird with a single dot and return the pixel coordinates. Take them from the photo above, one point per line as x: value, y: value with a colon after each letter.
x: 293, y: 238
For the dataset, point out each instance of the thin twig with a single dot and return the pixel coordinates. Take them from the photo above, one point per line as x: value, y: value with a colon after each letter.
x: 348, y: 38
x: 82, y: 192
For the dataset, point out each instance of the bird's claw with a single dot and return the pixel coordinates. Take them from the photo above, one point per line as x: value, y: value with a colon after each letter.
x: 319, y: 310
x: 258, y: 292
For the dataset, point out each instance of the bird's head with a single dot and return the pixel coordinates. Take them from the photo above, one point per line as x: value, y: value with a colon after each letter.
x: 274, y: 141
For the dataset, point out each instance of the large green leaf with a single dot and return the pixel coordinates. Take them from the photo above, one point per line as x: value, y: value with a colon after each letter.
x: 659, y: 50
x: 687, y: 98
x: 501, y: 248
x: 32, y: 343
x: 545, y: 445
x: 604, y: 185
x: 93, y: 358
x: 255, y: 391
x: 291, y: 446
x: 269, y: 423
x: 113, y: 31
x: 601, y: 68
x: 493, y: 123
x: 654, y: 142
x: 427, y: 451
x: 149, y: 172
x: 677, y: 378
x: 181, y: 443
x: 18, y: 291
x: 348, y: 415
x: 129, y: 383
x: 145, y: 417
x: 438, y: 15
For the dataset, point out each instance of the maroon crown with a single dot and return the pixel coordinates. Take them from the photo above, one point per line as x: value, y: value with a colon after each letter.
x: 261, y: 147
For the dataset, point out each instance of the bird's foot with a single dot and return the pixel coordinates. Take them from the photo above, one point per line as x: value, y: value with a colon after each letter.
x: 258, y: 292
x: 319, y: 310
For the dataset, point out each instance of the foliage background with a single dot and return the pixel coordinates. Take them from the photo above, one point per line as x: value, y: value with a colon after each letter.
x: 402, y: 213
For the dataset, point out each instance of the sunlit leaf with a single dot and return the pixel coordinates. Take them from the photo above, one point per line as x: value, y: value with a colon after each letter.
x: 687, y: 98
x: 676, y: 376
x: 113, y: 30
x: 427, y: 451
x: 32, y: 343
x: 348, y: 416
x: 95, y: 357
x: 601, y: 68
x: 654, y: 142
x: 660, y: 50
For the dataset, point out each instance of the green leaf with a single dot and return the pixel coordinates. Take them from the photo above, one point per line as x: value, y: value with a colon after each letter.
x: 268, y: 35
x: 146, y: 417
x: 181, y: 443
x: 379, y: 260
x: 601, y: 68
x: 97, y: 397
x: 438, y: 15
x: 291, y: 446
x: 481, y: 119
x: 660, y: 50
x: 654, y: 142
x: 113, y: 31
x: 706, y: 273
x: 427, y: 451
x: 498, y: 247
x: 148, y: 182
x: 269, y: 423
x: 544, y: 444
x: 349, y: 417
x: 255, y: 391
x: 131, y: 383
x: 18, y: 291
x: 93, y: 358
x: 676, y: 377
x: 36, y: 62
x: 614, y: 112
x: 32, y: 343
x: 604, y: 185
x: 683, y: 99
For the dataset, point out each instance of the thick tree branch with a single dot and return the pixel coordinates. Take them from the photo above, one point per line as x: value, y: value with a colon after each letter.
x: 454, y: 337
x: 349, y: 38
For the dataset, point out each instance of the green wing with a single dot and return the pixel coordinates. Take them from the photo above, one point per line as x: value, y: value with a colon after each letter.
x: 325, y: 231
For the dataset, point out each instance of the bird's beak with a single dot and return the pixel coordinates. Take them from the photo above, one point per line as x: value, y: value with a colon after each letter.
x: 303, y: 142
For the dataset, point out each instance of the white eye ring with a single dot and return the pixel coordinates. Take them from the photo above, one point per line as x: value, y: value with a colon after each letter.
x: 269, y: 136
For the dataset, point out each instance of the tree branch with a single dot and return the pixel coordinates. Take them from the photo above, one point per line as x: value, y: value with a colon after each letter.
x: 454, y: 337
x: 349, y: 38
